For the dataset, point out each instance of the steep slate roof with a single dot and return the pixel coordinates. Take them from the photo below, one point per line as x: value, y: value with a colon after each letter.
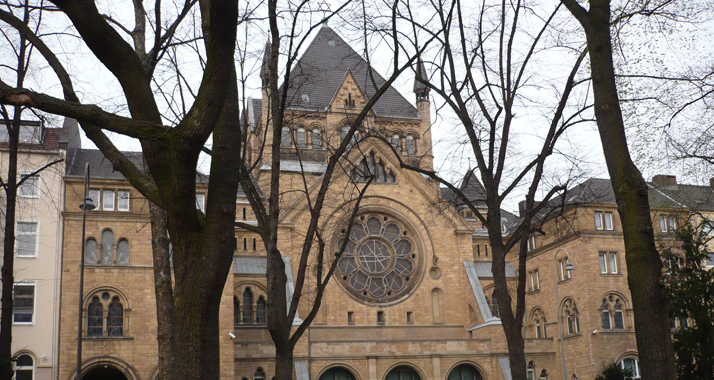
x: 692, y: 197
x: 321, y: 69
x: 471, y: 187
x: 99, y: 166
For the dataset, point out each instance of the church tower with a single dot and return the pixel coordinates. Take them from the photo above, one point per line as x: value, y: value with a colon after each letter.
x: 421, y: 90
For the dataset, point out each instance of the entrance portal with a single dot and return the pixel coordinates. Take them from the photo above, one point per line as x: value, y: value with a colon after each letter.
x: 104, y: 373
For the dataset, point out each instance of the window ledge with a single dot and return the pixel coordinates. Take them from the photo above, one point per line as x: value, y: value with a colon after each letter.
x: 535, y: 291
x: 107, y: 337
x: 566, y: 280
x: 611, y: 274
x: 578, y: 335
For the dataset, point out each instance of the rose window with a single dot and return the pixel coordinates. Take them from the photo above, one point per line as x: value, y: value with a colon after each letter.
x: 380, y: 260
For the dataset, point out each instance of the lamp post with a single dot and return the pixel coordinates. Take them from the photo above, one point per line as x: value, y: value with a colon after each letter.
x: 87, y: 204
x: 568, y: 267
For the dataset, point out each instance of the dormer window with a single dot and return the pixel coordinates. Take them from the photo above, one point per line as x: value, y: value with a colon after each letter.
x: 305, y: 98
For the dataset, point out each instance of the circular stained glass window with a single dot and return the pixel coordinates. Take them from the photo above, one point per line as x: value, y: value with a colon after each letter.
x: 380, y: 260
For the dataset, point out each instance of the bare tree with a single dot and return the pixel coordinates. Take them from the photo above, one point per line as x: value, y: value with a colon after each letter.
x: 12, y: 122
x: 644, y: 267
x: 314, y: 250
x: 484, y: 70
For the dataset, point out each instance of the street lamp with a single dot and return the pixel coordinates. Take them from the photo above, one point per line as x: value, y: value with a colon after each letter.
x: 568, y: 267
x: 87, y: 204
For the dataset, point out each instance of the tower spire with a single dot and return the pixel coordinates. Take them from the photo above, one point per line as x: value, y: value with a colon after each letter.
x: 265, y: 68
x: 420, y: 88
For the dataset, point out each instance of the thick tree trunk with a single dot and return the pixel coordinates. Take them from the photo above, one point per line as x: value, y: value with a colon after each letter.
x: 163, y: 289
x: 644, y: 266
x: 283, y: 363
x: 8, y: 267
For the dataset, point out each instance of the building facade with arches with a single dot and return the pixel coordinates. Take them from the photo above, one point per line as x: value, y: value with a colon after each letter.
x: 412, y: 293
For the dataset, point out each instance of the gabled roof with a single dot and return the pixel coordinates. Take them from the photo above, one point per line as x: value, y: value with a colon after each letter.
x: 471, y: 187
x: 321, y: 69
x: 99, y: 166
x: 691, y: 197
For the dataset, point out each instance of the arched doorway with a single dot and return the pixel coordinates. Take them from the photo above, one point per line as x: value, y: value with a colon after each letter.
x: 465, y: 372
x: 104, y: 372
x: 403, y: 373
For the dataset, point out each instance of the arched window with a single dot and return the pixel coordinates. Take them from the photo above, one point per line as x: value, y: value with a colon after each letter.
x: 316, y: 142
x: 254, y: 244
x: 337, y: 373
x: 24, y: 367
x: 122, y: 252
x: 90, y: 252
x: 285, y: 137
x: 465, y: 372
x: 612, y: 313
x: 395, y: 143
x: 107, y: 247
x: 381, y: 173
x: 354, y: 139
x: 404, y: 373
x: 539, y: 322
x: 260, y: 310
x: 247, y: 306
x: 236, y: 310
x: 530, y: 371
x: 410, y: 145
x: 633, y: 365
x: 95, y: 318
x: 115, y: 318
x: 570, y: 317
x: 494, y: 305
x: 300, y: 138
x: 259, y: 374
x: 543, y: 375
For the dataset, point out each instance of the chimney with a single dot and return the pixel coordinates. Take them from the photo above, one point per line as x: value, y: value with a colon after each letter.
x: 521, y: 208
x: 664, y: 180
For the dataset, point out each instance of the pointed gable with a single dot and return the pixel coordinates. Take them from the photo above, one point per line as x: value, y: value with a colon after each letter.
x: 319, y: 73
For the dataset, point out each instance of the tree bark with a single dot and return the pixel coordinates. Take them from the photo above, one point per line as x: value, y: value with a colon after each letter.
x: 163, y: 289
x: 644, y: 267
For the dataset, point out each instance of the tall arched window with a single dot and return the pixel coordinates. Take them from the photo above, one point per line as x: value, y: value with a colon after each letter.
x: 300, y: 138
x: 612, y: 312
x: 236, y: 310
x: 436, y: 306
x: 355, y: 136
x: 530, y: 371
x: 410, y: 145
x: 465, y: 372
x: 260, y: 310
x: 115, y: 318
x: 247, y: 306
x: 122, y: 252
x: 90, y: 252
x: 633, y: 365
x: 285, y: 137
x: 570, y: 317
x: 395, y: 143
x: 316, y: 142
x: 24, y: 367
x: 107, y: 247
x: 494, y: 305
x: 95, y: 318
x: 539, y: 322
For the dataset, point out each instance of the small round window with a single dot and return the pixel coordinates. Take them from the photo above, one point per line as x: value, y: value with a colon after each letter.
x: 381, y: 259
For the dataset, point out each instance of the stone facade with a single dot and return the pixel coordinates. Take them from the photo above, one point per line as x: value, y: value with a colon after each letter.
x: 413, y: 296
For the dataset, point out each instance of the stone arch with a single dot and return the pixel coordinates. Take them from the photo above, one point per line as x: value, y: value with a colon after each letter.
x: 469, y: 363
x: 570, y: 315
x: 342, y: 365
x: 258, y: 292
x: 97, y: 362
x: 538, y: 321
x: 437, y: 305
x: 405, y: 365
x: 106, y: 244
x: 114, y: 312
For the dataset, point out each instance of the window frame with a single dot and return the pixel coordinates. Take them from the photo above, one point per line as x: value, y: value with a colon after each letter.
x: 34, y: 254
x: 667, y: 223
x: 113, y: 194
x: 201, y: 204
x: 32, y: 368
x: 32, y: 284
x: 36, y: 179
x: 636, y: 375
x: 125, y: 195
x: 604, y: 220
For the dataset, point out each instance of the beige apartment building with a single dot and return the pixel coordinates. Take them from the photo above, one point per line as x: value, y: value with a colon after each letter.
x: 37, y: 260
x: 412, y: 295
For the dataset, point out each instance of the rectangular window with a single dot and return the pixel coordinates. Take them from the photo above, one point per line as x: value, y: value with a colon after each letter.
x: 603, y: 263
x: 30, y: 188
x: 564, y: 274
x: 667, y: 223
x: 24, y: 307
x: 123, y: 200
x: 613, y: 262
x: 532, y: 276
x: 537, y: 275
x: 94, y: 194
x: 410, y: 318
x: 532, y: 243
x: 603, y: 221
x: 201, y: 202
x: 350, y: 317
x: 535, y: 280
x: 26, y: 239
x: 108, y: 200
x: 380, y: 318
